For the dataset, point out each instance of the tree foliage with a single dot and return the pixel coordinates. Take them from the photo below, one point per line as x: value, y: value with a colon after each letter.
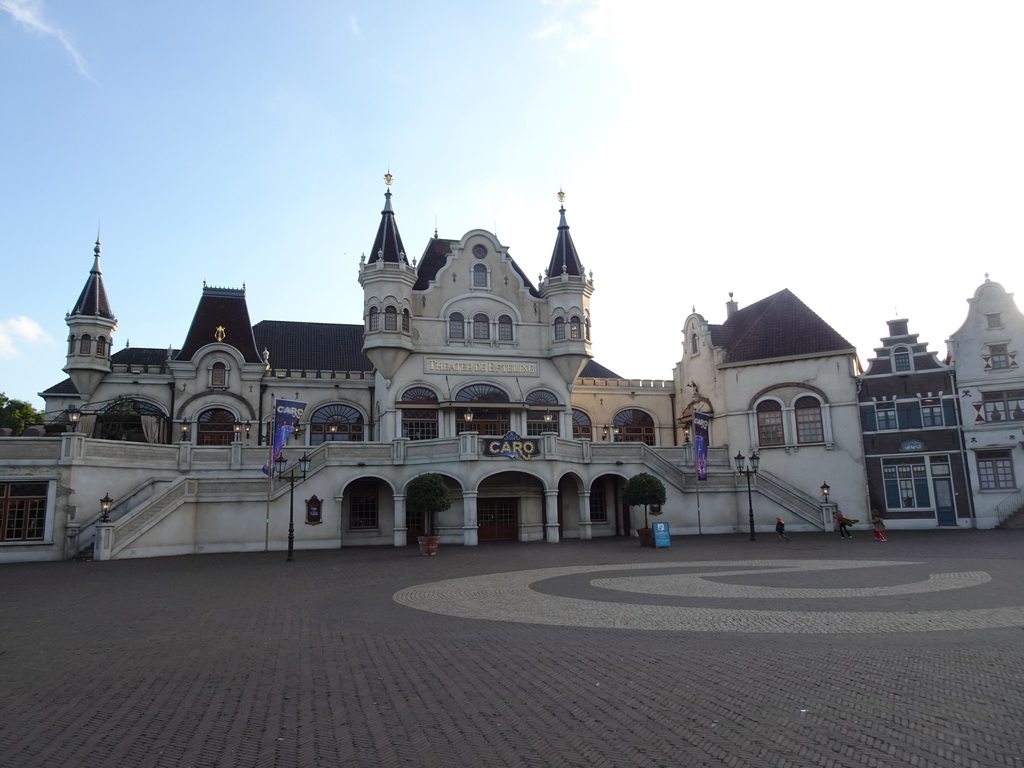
x: 642, y: 490
x: 428, y: 494
x: 17, y: 414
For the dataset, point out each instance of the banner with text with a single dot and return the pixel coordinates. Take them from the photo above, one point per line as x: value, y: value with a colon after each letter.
x: 287, y: 414
x: 701, y: 428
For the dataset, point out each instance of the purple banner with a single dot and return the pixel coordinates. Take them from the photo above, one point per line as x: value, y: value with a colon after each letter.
x: 287, y: 414
x: 701, y: 427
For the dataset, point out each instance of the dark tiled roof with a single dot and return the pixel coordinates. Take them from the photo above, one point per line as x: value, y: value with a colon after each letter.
x: 387, y: 246
x: 93, y: 299
x: 221, y: 308
x: 594, y: 370
x: 142, y: 356
x: 312, y: 346
x: 778, y: 326
x: 66, y: 387
x: 564, y: 259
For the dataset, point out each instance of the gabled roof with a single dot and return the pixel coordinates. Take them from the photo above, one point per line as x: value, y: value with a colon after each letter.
x: 435, y: 256
x: 387, y: 246
x: 778, y: 326
x: 312, y: 346
x: 222, y: 316
x: 564, y: 259
x: 93, y: 299
x: 594, y: 370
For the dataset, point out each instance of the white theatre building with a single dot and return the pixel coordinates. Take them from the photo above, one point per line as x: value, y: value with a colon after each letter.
x: 460, y: 366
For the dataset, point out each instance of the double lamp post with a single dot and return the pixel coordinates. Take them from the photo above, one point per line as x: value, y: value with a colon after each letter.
x: 742, y: 468
x: 280, y: 463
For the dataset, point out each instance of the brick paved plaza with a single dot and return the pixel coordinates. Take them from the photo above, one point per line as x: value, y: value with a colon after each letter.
x: 717, y: 651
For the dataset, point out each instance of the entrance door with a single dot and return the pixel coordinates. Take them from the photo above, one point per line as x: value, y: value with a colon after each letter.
x: 497, y: 520
x: 945, y: 509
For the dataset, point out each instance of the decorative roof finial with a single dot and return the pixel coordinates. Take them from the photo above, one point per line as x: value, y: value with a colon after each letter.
x: 388, y: 178
x: 561, y: 195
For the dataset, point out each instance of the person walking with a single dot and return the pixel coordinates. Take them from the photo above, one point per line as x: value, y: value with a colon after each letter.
x: 780, y: 529
x: 844, y: 523
x: 879, y: 524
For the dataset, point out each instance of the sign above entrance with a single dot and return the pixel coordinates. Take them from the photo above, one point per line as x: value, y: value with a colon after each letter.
x: 511, y: 446
x: 490, y: 366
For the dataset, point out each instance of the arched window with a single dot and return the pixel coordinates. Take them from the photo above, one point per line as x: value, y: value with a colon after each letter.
x: 504, y: 328
x: 132, y: 420
x: 575, y: 328
x: 633, y: 426
x: 543, y: 415
x: 481, y: 326
x: 85, y: 344
x: 582, y: 428
x: 769, y: 423
x: 693, y: 343
x: 559, y: 328
x: 420, y: 423
x: 486, y: 421
x: 215, y: 426
x: 335, y: 423
x: 479, y: 276
x: 101, y: 346
x: 901, y: 359
x: 71, y: 344
x: 390, y: 319
x: 374, y: 319
x: 809, y: 426
x: 456, y: 326
x: 218, y: 375
x: 586, y: 328
x: 406, y: 321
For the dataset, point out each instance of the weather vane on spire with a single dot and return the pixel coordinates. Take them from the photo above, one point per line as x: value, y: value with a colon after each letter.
x: 388, y: 178
x: 561, y: 195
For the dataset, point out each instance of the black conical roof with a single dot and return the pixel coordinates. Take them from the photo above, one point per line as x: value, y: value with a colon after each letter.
x: 387, y: 246
x: 564, y: 260
x: 93, y: 299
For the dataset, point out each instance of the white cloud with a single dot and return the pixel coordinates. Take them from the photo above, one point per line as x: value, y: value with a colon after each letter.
x: 17, y: 331
x: 353, y: 26
x: 30, y: 13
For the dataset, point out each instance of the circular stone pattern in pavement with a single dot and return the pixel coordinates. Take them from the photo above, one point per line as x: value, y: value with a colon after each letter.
x: 509, y: 597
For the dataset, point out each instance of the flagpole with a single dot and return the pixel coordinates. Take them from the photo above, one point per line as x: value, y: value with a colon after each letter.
x: 270, y: 473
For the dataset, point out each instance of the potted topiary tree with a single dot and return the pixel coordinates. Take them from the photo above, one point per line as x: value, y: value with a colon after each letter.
x: 644, y: 489
x: 428, y: 494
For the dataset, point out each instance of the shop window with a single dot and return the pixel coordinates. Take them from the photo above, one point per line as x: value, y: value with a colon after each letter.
x: 906, y: 484
x: 23, y: 511
x: 995, y: 471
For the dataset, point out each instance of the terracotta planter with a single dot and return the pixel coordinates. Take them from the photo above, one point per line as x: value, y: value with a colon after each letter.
x: 428, y: 544
x: 646, y: 536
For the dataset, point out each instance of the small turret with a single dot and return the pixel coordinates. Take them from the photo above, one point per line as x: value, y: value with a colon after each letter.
x: 568, y: 291
x: 92, y: 325
x: 387, y: 279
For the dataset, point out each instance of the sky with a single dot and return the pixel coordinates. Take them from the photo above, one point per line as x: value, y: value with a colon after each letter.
x: 868, y: 156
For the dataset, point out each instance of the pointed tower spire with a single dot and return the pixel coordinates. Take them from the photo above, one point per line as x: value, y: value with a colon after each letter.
x: 93, y: 299
x: 564, y: 260
x: 388, y: 244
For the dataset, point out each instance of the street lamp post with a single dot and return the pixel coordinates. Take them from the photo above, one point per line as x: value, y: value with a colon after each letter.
x: 742, y: 468
x: 105, y: 503
x: 280, y: 464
